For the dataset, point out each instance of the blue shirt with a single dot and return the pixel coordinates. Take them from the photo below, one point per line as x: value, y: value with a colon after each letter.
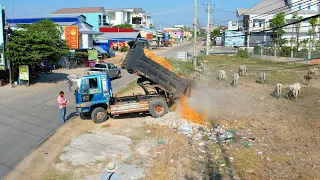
x: 106, y: 175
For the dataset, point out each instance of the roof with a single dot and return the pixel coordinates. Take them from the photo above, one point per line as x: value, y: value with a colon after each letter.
x: 79, y: 10
x: 90, y: 32
x: 139, y: 10
x: 113, y: 35
x: 57, y: 20
x: 100, y: 49
x: 265, y: 6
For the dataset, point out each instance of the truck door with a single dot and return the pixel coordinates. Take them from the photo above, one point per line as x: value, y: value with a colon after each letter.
x: 91, y: 89
x: 112, y: 70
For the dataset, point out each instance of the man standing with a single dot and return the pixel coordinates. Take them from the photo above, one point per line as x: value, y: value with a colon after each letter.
x: 110, y: 172
x: 62, y: 106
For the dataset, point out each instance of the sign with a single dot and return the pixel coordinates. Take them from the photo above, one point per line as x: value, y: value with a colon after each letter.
x: 182, y: 55
x: 24, y: 72
x: 234, y: 38
x: 71, y: 35
x: 92, y: 54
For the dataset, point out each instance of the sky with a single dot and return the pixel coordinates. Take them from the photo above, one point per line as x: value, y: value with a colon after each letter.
x: 165, y: 12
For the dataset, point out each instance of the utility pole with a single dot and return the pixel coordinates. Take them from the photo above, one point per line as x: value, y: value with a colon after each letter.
x: 195, y: 34
x: 208, y: 30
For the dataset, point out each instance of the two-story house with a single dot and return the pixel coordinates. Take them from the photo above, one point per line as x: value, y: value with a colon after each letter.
x: 95, y: 16
x: 135, y: 16
x: 258, y: 18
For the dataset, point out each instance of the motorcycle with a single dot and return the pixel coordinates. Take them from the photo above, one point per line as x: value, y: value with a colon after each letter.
x: 46, y: 69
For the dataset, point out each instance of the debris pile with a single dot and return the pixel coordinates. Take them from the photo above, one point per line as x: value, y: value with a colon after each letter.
x: 198, y: 133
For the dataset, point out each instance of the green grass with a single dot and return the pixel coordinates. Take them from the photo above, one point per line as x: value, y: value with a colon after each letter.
x: 285, y: 73
x: 127, y: 88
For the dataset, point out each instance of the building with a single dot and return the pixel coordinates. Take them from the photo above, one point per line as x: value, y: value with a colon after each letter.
x: 95, y: 16
x: 258, y: 18
x: 85, y: 29
x: 110, y: 39
x: 176, y: 33
x: 135, y: 16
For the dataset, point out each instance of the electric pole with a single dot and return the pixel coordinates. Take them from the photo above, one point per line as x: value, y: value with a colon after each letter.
x: 195, y: 34
x: 208, y: 31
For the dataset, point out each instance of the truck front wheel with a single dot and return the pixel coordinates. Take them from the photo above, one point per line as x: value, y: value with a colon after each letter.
x: 158, y: 108
x: 99, y: 115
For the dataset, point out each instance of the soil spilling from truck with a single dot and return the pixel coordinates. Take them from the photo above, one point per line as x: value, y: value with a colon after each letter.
x: 162, y: 61
x: 186, y: 111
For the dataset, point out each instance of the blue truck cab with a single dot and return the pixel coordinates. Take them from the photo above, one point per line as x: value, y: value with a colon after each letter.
x: 91, y: 92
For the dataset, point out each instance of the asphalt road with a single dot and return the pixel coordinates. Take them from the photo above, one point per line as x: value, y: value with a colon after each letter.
x: 28, y: 117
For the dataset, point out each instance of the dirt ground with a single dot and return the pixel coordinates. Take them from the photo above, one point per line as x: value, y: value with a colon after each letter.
x: 274, y: 138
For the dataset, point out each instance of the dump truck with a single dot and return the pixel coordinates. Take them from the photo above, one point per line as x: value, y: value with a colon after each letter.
x: 94, y: 96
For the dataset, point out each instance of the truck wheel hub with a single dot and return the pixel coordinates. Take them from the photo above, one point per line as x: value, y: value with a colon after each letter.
x: 100, y: 115
x: 159, y: 109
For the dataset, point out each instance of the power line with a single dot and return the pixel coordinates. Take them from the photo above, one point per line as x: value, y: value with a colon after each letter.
x: 272, y: 11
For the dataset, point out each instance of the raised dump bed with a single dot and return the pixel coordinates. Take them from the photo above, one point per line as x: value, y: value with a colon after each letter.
x: 138, y: 63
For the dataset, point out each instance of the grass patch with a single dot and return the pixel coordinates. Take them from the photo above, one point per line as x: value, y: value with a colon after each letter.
x: 127, y: 88
x: 54, y: 174
x: 286, y: 73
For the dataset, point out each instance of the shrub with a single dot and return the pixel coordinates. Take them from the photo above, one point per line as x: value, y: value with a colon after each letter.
x: 242, y: 53
x: 123, y: 49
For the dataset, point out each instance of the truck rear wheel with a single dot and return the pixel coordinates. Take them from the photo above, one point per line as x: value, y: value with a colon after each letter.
x: 99, y: 115
x: 158, y: 108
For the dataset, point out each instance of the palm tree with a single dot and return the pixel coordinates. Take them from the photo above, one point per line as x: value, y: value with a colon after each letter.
x: 313, y: 23
x: 296, y: 18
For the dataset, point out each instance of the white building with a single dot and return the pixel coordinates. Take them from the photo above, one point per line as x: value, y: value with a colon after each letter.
x: 258, y: 18
x: 135, y: 16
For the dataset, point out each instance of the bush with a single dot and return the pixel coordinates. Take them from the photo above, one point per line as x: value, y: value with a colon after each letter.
x: 123, y: 49
x: 256, y: 49
x: 285, y: 51
x: 242, y: 53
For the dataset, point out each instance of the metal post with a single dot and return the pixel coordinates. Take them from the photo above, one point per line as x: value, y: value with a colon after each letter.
x: 9, y: 66
x: 195, y: 33
x: 208, y: 31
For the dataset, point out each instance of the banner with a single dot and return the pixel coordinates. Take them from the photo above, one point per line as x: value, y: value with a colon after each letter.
x: 234, y: 38
x: 71, y: 35
x: 24, y: 72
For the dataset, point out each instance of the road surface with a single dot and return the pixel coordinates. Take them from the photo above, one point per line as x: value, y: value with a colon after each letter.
x: 30, y: 116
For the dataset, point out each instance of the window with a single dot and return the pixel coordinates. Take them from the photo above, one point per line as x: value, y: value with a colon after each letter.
x: 99, y: 19
x: 93, y: 83
x: 109, y: 66
x: 300, y: 7
x: 260, y: 24
x: 112, y: 66
x: 309, y: 6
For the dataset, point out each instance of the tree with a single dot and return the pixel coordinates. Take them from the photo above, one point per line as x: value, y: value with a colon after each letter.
x: 202, y: 33
x: 313, y: 23
x: 36, y: 42
x: 128, y: 26
x: 276, y: 22
x: 297, y: 18
x: 214, y: 33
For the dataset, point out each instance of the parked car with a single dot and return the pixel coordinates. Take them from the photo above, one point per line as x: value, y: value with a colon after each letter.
x: 105, y: 68
x: 111, y: 53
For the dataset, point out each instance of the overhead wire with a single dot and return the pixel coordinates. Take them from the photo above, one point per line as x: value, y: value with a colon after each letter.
x: 274, y: 11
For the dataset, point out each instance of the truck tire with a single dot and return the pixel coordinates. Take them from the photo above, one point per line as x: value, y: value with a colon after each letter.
x: 99, y: 115
x: 158, y: 108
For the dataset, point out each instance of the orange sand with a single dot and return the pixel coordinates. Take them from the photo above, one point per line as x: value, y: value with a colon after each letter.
x: 188, y: 113
x: 162, y: 61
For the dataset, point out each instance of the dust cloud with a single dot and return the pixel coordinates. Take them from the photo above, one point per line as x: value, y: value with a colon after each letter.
x: 214, y: 102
